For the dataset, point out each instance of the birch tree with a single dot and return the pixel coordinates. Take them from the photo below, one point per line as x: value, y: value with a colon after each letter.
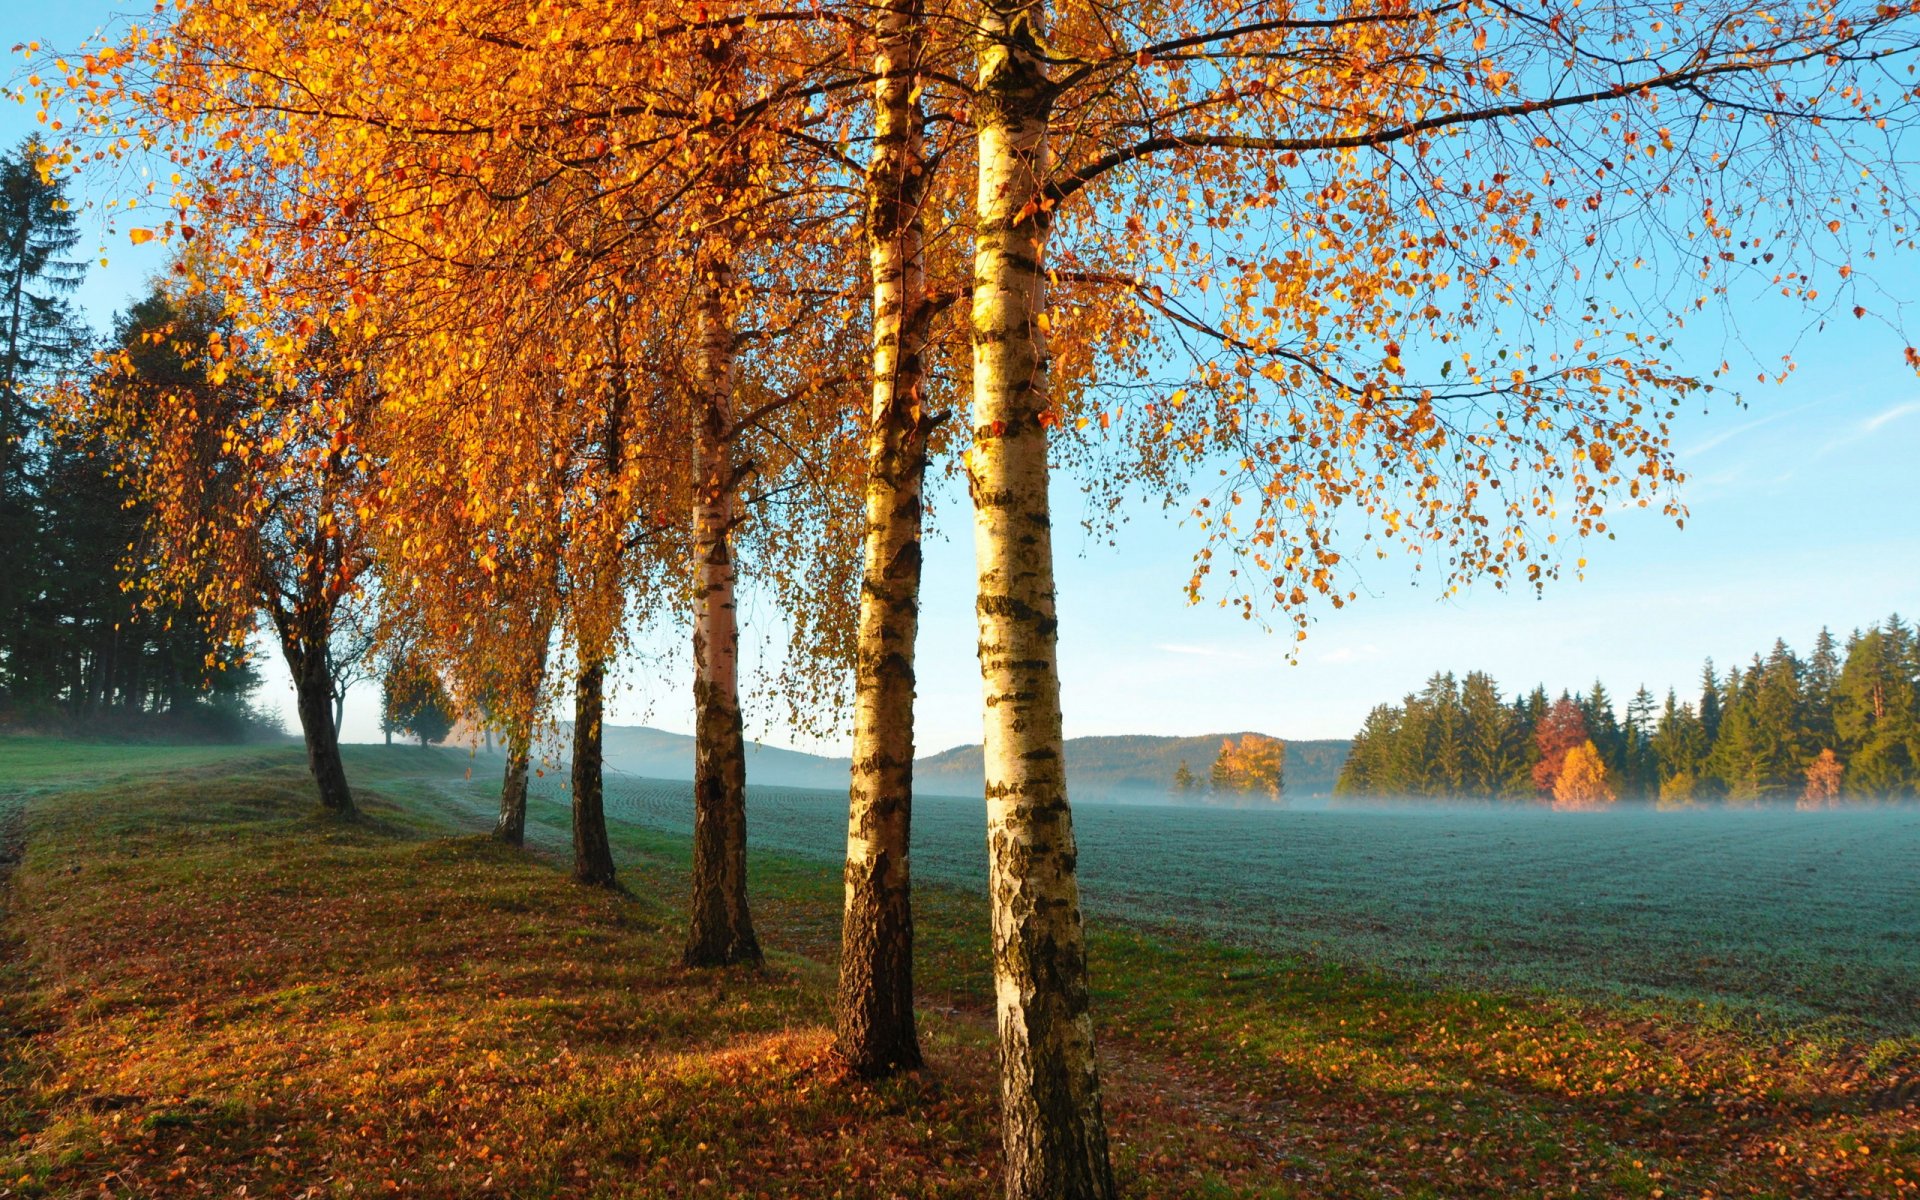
x: 1303, y: 209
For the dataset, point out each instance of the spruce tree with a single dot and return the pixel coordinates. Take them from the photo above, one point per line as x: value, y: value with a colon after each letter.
x: 41, y: 342
x: 1604, y: 726
x: 1710, y: 702
x: 1640, y: 774
x: 1780, y: 748
x: 1488, y: 739
x: 1821, y: 676
x: 1874, y: 711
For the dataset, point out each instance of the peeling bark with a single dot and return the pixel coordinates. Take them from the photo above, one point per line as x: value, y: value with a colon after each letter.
x: 1053, y: 1132
x: 875, y: 1033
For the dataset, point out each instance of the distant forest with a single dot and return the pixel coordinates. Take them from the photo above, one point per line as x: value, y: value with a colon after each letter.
x: 1841, y: 724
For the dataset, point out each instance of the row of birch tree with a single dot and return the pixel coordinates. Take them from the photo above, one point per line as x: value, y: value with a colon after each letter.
x: 531, y: 324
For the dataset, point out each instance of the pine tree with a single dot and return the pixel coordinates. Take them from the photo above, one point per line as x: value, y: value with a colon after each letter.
x: 1604, y: 726
x: 1710, y: 702
x: 1443, y: 758
x: 1641, y: 774
x: 1368, y: 770
x: 1183, y: 779
x: 1821, y: 676
x: 41, y: 342
x: 1874, y: 711
x: 1730, y: 764
x: 1490, y: 758
x: 1778, y: 750
x: 1680, y: 743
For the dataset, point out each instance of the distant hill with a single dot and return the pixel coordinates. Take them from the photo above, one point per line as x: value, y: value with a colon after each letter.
x: 657, y: 754
x: 1135, y: 766
x: 1141, y: 765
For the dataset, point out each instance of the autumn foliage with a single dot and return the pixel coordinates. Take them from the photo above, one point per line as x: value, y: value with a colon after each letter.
x: 1582, y: 781
x: 1560, y: 732
x: 1254, y: 765
x: 1824, y: 774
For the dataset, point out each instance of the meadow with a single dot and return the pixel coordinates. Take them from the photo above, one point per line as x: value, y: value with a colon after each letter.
x: 206, y: 988
x: 1803, y: 920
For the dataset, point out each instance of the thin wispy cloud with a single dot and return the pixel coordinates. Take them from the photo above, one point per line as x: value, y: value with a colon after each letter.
x: 1727, y: 435
x: 1872, y: 425
x: 1892, y: 414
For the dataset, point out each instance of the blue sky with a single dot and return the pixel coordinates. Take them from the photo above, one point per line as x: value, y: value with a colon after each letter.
x: 1803, y: 508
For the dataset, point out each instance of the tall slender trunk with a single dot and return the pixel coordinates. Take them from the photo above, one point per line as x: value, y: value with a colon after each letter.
x: 592, y: 855
x: 1053, y: 1133
x: 721, y: 929
x: 875, y: 1033
x: 306, y: 654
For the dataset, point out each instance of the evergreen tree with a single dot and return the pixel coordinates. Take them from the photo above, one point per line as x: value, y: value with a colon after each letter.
x: 1821, y: 676
x: 41, y: 343
x: 1490, y: 749
x: 1183, y: 779
x: 1778, y: 752
x: 1604, y: 726
x: 1710, y: 702
x: 1368, y: 770
x: 1680, y: 743
x: 416, y: 702
x: 1730, y: 764
x: 1640, y: 775
x: 1874, y: 711
x: 1443, y: 756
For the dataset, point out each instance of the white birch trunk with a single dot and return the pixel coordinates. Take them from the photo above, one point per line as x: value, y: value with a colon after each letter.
x: 875, y: 1026
x: 1053, y: 1131
x: 721, y: 930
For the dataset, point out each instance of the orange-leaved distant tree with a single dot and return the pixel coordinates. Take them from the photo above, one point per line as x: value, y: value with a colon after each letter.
x: 1562, y: 728
x: 1824, y: 776
x: 1253, y: 765
x: 1582, y: 782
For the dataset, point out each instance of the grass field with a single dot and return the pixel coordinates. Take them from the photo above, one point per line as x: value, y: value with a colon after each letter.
x: 1807, y: 920
x: 206, y: 987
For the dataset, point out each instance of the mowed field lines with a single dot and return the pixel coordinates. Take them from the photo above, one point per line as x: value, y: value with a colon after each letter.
x: 1812, y: 919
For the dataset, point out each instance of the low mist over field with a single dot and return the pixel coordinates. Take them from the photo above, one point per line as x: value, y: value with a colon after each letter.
x: 1795, y: 916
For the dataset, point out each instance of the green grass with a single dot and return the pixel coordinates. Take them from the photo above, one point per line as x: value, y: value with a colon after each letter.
x: 211, y: 986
